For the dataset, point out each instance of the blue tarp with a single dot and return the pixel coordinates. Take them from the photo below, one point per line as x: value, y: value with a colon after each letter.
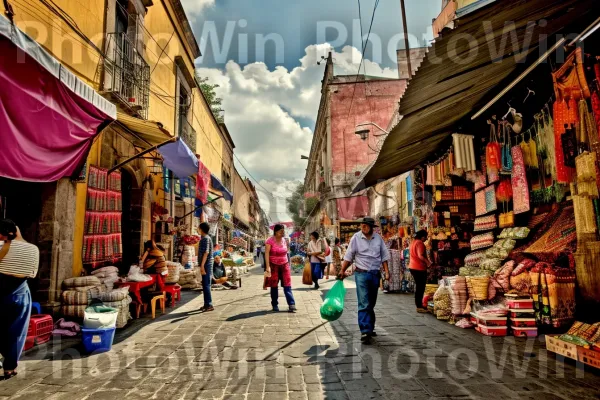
x: 178, y: 157
x: 217, y: 185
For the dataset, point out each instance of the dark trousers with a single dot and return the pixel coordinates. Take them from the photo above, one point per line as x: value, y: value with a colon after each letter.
x: 206, y: 283
x: 367, y: 286
x: 420, y: 282
x: 15, y: 310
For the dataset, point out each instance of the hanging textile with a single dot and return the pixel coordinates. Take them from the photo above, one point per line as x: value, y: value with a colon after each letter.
x: 202, y: 182
x: 563, y: 116
x: 464, y: 152
x: 569, y: 80
x: 396, y: 272
x: 553, y: 292
x: 586, y: 165
x: 570, y: 146
x: 596, y: 111
x: 102, y: 240
x: 587, y: 132
x: 520, y: 187
x: 507, y: 162
x: 533, y: 153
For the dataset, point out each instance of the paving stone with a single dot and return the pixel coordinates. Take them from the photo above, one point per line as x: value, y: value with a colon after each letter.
x: 274, y: 387
x: 107, y: 395
x: 276, y: 396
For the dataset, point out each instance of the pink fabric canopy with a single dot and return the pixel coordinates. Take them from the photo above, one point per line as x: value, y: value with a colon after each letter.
x: 351, y: 208
x: 46, y: 128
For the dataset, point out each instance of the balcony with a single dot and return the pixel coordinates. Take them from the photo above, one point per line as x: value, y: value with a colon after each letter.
x: 187, y: 133
x: 126, y: 75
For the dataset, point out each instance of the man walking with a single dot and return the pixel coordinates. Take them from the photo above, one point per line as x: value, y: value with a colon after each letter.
x: 368, y: 252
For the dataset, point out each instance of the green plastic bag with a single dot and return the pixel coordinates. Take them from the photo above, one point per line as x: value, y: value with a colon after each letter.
x: 333, y: 306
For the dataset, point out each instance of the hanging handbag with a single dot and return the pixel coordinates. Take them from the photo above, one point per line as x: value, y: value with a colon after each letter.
x: 506, y: 220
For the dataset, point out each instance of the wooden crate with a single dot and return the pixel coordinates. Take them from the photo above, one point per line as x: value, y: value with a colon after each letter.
x: 555, y: 345
x: 589, y: 357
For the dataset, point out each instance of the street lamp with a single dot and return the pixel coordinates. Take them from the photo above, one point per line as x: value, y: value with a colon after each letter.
x: 362, y: 131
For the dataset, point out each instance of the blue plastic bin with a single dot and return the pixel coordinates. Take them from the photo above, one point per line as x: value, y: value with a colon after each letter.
x: 98, y: 340
x: 36, y: 308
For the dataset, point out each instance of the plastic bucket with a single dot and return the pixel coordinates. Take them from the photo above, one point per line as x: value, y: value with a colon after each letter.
x: 97, y: 317
x: 98, y: 340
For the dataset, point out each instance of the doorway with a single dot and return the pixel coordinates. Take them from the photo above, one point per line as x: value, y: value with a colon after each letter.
x: 131, y: 220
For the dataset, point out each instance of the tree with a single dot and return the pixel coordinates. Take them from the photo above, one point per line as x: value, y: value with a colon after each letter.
x: 295, y: 203
x: 208, y: 89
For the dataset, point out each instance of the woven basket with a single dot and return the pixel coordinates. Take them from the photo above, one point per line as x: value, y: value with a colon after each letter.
x: 585, y: 219
x: 478, y: 287
x: 587, y: 268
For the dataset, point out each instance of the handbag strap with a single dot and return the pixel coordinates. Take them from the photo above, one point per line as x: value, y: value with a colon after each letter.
x: 4, y: 249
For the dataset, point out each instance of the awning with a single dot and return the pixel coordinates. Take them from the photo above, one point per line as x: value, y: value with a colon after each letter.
x: 178, y: 157
x: 145, y: 133
x: 48, y: 116
x: 443, y: 92
x: 217, y: 185
x: 351, y: 208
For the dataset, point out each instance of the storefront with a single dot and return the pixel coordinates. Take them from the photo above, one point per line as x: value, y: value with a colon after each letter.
x: 506, y: 170
x: 38, y: 173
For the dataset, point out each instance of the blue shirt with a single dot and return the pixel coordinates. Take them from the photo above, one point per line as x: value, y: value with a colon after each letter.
x: 367, y: 254
x: 206, y: 246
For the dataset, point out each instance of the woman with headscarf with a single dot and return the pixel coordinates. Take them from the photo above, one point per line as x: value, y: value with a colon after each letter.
x: 278, y: 268
x: 19, y: 260
x: 153, y: 260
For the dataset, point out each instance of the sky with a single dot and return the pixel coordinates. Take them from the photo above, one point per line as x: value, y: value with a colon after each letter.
x: 264, y: 56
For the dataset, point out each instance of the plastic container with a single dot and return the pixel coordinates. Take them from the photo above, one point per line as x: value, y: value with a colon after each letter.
x: 36, y: 308
x: 491, y: 320
x: 99, y: 316
x: 473, y: 318
x: 40, y: 325
x: 492, y: 330
x: 522, y: 313
x: 97, y: 340
x: 519, y: 304
x: 525, y: 332
x: 523, y: 322
x: 555, y: 345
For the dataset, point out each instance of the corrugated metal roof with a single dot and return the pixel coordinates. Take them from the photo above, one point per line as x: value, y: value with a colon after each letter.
x: 443, y: 92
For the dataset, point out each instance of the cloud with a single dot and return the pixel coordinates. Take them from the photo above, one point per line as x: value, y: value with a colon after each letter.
x: 263, y: 108
x: 193, y: 8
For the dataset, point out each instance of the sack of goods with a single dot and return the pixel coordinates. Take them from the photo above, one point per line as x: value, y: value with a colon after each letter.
x: 173, y: 272
x: 107, y: 276
x: 188, y: 280
x: 442, y: 306
x: 333, y: 306
x: 189, y: 258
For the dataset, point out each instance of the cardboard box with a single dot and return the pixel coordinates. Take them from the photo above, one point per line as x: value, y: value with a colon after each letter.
x: 588, y: 356
x: 555, y: 345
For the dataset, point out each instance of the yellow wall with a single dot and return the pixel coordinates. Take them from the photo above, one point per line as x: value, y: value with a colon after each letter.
x: 463, y: 3
x: 84, y: 60
x: 163, y: 87
x: 35, y: 19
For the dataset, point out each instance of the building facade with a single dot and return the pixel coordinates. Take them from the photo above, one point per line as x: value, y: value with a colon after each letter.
x: 139, y: 55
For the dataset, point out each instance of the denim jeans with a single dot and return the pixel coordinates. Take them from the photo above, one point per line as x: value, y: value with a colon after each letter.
x: 317, y: 272
x: 15, y: 310
x: 206, y: 282
x: 287, y: 291
x: 367, y: 286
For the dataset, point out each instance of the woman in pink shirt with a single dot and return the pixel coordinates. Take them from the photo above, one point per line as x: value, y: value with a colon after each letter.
x: 278, y: 268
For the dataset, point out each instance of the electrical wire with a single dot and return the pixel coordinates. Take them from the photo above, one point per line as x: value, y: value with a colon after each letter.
x: 102, y: 55
x: 364, y: 47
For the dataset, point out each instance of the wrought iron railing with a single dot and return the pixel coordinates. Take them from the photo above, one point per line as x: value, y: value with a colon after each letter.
x: 127, y: 75
x: 187, y: 133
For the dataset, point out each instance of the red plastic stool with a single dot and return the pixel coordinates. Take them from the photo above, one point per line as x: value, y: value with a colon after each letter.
x: 175, y: 291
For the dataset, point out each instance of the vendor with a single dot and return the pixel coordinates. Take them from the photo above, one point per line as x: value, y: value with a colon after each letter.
x: 153, y: 260
x: 220, y: 274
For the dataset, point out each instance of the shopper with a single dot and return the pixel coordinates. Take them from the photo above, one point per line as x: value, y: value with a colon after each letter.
x: 337, y: 258
x: 328, y: 257
x: 19, y: 260
x: 368, y: 252
x: 418, y: 267
x: 205, y: 256
x: 316, y: 251
x: 278, y: 268
x: 153, y: 260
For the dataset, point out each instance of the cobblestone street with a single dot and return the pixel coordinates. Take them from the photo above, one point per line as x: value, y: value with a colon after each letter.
x: 243, y: 351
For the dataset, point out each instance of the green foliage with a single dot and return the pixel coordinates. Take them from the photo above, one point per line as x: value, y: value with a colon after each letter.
x: 295, y: 204
x: 215, y: 102
x: 310, y: 204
